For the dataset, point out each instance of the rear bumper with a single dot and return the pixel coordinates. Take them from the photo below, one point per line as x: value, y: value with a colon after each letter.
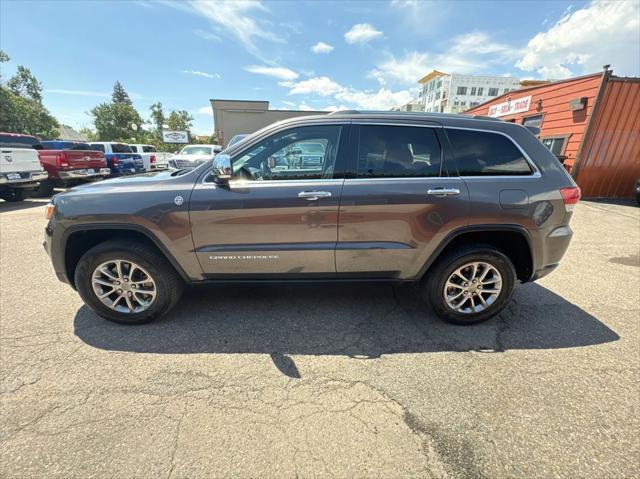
x: 26, y: 178
x: 83, y: 174
x: 159, y: 166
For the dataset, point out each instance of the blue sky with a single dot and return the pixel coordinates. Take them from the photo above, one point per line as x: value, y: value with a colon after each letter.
x: 367, y: 55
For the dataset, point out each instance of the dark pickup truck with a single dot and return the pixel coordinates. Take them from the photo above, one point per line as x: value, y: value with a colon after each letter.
x: 70, y: 163
x: 464, y: 207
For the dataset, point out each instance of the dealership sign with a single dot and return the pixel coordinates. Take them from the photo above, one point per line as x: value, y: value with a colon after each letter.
x: 510, y: 107
x: 175, y: 136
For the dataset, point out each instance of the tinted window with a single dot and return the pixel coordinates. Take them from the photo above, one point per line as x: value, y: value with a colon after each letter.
x: 480, y: 153
x: 11, y: 141
x: 97, y: 147
x: 78, y: 146
x: 120, y: 148
x: 398, y: 151
x: 299, y: 153
x: 148, y: 149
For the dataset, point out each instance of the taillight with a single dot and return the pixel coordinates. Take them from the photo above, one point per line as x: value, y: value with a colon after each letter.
x: 61, y: 160
x: 152, y: 159
x: 115, y: 161
x: 571, y: 196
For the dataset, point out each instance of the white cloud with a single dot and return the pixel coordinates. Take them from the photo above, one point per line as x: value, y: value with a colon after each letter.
x: 242, y: 19
x: 321, y: 47
x: 383, y: 99
x: 335, y: 108
x: 362, y: 33
x: 205, y: 110
x: 288, y: 103
x: 323, y: 86
x: 277, y: 72
x: 78, y: 92
x: 581, y: 42
x: 205, y: 35
x: 304, y: 107
x: 201, y: 74
x: 474, y: 52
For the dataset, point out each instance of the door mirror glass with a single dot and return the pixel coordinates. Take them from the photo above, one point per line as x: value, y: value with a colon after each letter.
x: 221, y: 169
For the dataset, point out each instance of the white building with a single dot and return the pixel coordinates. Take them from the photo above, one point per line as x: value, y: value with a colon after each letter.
x: 453, y: 93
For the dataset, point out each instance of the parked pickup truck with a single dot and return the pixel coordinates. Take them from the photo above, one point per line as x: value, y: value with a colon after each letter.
x: 120, y: 158
x: 20, y: 169
x: 193, y: 155
x: 69, y: 163
x: 153, y: 159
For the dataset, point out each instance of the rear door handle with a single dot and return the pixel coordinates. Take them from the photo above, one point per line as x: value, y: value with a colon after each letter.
x: 444, y: 192
x: 314, y: 195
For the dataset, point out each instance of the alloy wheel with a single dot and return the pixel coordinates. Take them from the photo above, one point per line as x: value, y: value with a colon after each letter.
x: 473, y: 287
x: 124, y: 286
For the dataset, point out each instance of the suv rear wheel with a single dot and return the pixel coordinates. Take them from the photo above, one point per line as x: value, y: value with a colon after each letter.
x: 470, y: 285
x: 127, y: 283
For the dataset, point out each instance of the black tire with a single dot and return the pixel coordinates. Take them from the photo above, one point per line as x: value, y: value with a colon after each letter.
x: 169, y: 284
x: 44, y: 190
x: 439, y: 273
x: 14, y: 195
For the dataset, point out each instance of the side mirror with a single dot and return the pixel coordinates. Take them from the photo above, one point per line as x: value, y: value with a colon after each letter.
x: 221, y: 168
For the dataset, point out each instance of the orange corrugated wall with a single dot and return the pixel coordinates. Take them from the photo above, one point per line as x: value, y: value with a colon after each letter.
x: 609, y: 163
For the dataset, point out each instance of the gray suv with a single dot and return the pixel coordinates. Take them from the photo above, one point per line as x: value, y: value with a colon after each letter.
x: 462, y: 206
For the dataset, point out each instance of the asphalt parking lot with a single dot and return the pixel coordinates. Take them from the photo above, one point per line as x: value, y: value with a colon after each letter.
x: 326, y: 381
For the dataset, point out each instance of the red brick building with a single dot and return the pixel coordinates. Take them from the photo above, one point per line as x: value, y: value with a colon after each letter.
x: 591, y: 123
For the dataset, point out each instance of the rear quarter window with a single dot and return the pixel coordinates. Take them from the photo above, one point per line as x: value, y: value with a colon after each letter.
x: 480, y: 153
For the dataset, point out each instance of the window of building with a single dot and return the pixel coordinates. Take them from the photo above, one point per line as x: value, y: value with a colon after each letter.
x: 398, y: 151
x: 462, y: 90
x: 493, y: 92
x: 532, y: 121
x: 507, y: 90
x: 556, y: 144
x: 480, y: 90
x: 473, y: 90
x: 299, y: 153
x: 474, y: 103
x: 481, y: 153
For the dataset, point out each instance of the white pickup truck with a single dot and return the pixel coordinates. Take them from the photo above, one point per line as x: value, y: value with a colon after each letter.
x: 20, y: 168
x: 153, y: 160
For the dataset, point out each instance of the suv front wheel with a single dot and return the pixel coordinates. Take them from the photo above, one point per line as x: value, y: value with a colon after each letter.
x: 470, y: 285
x: 127, y: 283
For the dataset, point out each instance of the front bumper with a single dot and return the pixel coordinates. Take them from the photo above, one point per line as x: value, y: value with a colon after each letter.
x: 22, y: 178
x: 83, y: 174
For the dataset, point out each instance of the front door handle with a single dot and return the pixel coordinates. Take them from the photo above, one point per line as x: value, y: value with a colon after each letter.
x: 444, y: 192
x: 314, y: 195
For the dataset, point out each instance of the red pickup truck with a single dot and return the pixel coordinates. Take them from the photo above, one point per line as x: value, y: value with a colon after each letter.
x: 69, y: 163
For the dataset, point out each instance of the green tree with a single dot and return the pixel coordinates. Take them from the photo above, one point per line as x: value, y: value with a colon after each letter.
x: 24, y: 84
x: 21, y: 109
x: 180, y: 120
x: 89, y: 134
x: 157, y: 118
x: 119, y: 95
x: 114, y: 122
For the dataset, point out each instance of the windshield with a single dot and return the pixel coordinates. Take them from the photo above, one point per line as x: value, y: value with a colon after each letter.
x: 196, y: 150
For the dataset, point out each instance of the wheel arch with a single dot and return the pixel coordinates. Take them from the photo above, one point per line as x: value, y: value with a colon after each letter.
x: 512, y: 240
x: 78, y: 240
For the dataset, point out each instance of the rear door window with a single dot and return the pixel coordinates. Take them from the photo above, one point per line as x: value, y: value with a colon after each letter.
x: 480, y: 153
x: 398, y: 152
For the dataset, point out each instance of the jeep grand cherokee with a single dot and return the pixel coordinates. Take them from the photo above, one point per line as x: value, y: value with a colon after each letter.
x: 463, y: 206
